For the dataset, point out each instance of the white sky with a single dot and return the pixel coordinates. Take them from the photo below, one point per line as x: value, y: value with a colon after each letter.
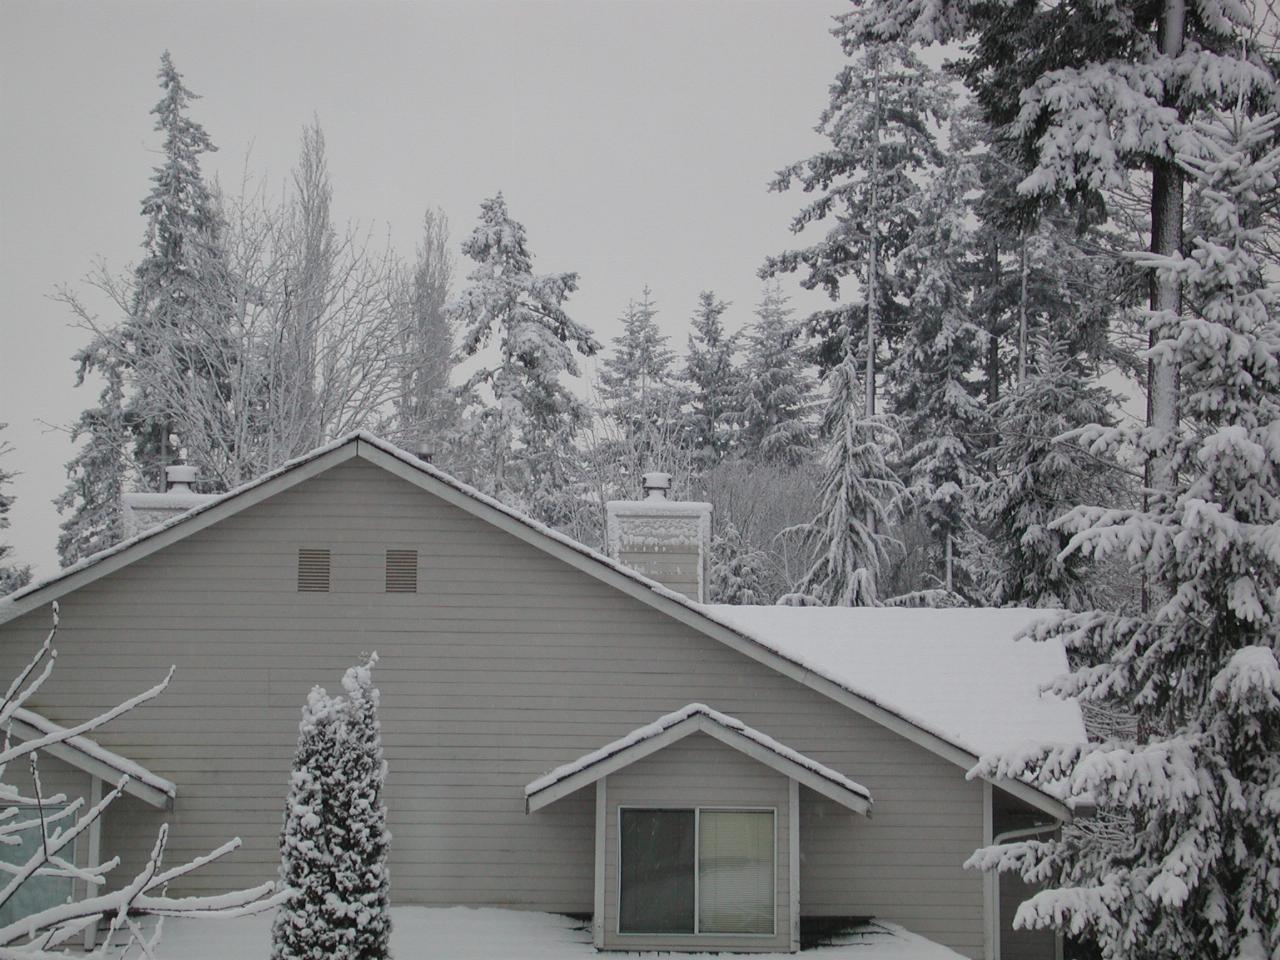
x: 633, y: 139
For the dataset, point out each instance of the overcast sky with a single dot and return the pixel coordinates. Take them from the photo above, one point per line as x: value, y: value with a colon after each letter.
x: 634, y: 140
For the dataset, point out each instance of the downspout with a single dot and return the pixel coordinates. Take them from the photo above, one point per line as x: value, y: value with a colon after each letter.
x: 1020, y: 834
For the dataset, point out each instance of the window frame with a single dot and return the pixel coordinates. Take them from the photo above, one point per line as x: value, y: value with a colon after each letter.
x: 697, y: 865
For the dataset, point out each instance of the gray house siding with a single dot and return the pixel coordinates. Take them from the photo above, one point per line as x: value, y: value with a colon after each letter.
x: 698, y: 772
x: 506, y: 663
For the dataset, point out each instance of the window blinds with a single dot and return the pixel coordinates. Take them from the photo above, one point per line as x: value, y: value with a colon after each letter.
x: 735, y: 871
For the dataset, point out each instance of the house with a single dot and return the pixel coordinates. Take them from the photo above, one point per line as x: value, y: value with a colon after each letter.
x: 563, y: 733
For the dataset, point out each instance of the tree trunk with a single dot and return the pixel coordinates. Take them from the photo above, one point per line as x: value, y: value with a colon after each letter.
x: 873, y: 251
x: 1022, y: 313
x: 1165, y: 292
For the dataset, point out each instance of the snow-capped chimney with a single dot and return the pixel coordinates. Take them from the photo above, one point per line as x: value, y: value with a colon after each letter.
x: 666, y: 540
x: 144, y: 510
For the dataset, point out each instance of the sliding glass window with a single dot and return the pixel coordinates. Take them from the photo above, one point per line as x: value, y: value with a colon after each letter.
x: 687, y: 871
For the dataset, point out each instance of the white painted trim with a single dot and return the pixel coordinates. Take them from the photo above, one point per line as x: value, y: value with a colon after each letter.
x: 698, y: 723
x: 602, y: 830
x: 793, y: 858
x: 67, y: 753
x: 990, y: 881
x: 94, y: 856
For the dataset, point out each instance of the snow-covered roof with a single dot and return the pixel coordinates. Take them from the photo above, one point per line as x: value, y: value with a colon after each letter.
x: 695, y: 718
x: 87, y: 755
x: 773, y: 635
x: 959, y: 673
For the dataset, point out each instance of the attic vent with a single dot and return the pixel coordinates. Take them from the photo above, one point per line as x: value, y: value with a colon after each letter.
x: 313, y: 570
x: 402, y: 571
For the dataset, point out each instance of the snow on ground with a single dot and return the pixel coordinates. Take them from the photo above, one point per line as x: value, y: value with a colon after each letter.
x: 464, y: 933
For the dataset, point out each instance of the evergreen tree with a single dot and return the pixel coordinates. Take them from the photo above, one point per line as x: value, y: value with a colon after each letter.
x: 175, y: 335
x: 1036, y: 477
x: 882, y: 104
x: 361, y: 878
x: 98, y: 475
x: 858, y: 492
x: 738, y: 570
x: 932, y: 383
x: 523, y: 439
x: 304, y: 927
x: 636, y: 379
x: 12, y: 575
x: 333, y: 848
x: 711, y: 380
x: 1196, y: 873
x: 1089, y: 91
x: 778, y: 393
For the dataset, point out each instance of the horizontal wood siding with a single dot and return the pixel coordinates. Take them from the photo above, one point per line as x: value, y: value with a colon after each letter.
x: 693, y: 772
x: 504, y: 664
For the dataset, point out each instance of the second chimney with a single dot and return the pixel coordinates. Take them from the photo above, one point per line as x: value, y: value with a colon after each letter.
x: 142, y: 511
x: 663, y: 539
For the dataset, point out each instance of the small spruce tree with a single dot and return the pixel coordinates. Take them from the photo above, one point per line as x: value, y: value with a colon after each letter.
x: 738, y: 570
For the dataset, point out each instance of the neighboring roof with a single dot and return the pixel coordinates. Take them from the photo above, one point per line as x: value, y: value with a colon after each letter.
x: 695, y: 718
x: 98, y: 761
x: 713, y: 621
x: 958, y: 672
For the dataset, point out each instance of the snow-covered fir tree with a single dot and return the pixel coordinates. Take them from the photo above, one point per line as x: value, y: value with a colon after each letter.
x: 98, y: 475
x: 738, y: 570
x: 1196, y: 874
x: 778, y: 391
x: 636, y: 377
x: 848, y: 537
x: 522, y: 434
x: 12, y: 574
x: 879, y: 119
x: 1087, y: 93
x: 333, y: 847
x: 176, y: 328
x: 933, y: 390
x: 1035, y: 477
x: 711, y: 380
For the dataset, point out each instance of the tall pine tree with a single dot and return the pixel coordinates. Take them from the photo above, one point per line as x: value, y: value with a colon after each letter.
x: 636, y: 385
x: 425, y: 412
x: 523, y: 438
x: 711, y: 381
x: 778, y: 392
x: 933, y: 390
x: 1196, y: 874
x: 879, y: 121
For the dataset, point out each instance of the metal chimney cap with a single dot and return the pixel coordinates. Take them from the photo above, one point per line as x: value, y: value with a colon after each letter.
x: 656, y: 484
x: 180, y: 474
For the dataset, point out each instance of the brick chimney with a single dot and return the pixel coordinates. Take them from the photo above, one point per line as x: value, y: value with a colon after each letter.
x: 666, y: 540
x: 142, y: 511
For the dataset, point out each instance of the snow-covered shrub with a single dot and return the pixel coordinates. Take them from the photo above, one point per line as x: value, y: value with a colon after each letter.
x: 333, y: 848
x: 50, y: 932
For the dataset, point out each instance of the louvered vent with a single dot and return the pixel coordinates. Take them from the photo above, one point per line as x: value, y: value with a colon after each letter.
x: 402, y: 571
x: 313, y: 570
